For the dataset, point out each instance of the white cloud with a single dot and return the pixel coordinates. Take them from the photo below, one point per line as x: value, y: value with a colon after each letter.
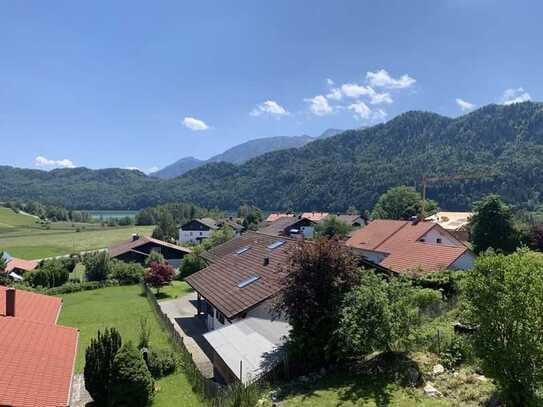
x: 194, y: 124
x: 132, y: 168
x: 319, y: 105
x: 270, y: 107
x: 464, y: 105
x: 330, y: 82
x: 518, y: 95
x: 382, y: 79
x: 335, y: 94
x: 42, y: 162
x: 355, y: 91
x: 361, y: 111
x: 352, y: 90
x: 152, y: 169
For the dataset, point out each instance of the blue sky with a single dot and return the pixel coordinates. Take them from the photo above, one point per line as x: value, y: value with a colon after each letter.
x: 141, y: 84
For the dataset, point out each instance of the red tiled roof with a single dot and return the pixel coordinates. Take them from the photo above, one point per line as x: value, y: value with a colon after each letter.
x: 26, y: 265
x: 36, y: 362
x: 218, y: 283
x: 32, y: 307
x: 122, y: 248
x: 315, y: 216
x: 399, y: 240
x: 272, y: 217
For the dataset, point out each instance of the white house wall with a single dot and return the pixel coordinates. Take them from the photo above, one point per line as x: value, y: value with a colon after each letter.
x: 446, y: 238
x: 464, y: 262
x: 193, y: 236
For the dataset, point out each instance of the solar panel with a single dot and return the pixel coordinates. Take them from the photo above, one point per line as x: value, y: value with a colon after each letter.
x: 243, y: 249
x: 276, y: 244
x: 250, y: 280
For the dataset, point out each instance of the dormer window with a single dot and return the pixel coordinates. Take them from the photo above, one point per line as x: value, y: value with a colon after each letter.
x: 438, y: 240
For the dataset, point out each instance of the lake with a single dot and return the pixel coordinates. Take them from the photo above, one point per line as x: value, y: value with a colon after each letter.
x: 104, y: 215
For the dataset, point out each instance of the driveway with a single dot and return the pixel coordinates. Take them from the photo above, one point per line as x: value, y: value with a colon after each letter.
x: 182, y: 313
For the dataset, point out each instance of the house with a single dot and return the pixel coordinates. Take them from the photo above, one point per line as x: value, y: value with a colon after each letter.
x: 354, y: 221
x: 456, y: 223
x: 411, y: 246
x: 16, y: 267
x: 272, y: 217
x: 314, y: 216
x: 290, y: 226
x: 37, y: 356
x: 234, y: 297
x: 242, y: 277
x: 138, y: 249
x: 197, y: 230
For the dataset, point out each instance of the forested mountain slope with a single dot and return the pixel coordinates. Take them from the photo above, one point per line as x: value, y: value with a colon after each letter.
x: 501, y: 144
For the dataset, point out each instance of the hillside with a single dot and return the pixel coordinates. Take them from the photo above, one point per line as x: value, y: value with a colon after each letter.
x: 501, y: 143
x: 241, y: 153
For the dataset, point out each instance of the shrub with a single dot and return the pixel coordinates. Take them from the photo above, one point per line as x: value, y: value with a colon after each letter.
x: 192, y: 263
x: 73, y: 287
x: 131, y: 381
x: 126, y: 273
x: 161, y: 363
x: 159, y: 275
x: 99, y: 358
x: 154, y: 257
x: 144, y: 333
x: 456, y: 352
x: 50, y: 273
x: 504, y: 299
x: 97, y: 266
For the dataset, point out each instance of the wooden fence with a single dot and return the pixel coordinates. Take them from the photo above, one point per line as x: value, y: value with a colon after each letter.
x: 203, y: 386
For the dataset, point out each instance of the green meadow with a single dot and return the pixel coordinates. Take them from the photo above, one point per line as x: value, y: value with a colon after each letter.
x: 25, y: 237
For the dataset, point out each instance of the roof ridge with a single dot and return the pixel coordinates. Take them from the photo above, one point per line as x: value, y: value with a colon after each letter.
x: 392, y: 234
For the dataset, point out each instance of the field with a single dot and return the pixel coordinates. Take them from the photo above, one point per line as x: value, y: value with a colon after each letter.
x: 23, y: 236
x: 122, y: 308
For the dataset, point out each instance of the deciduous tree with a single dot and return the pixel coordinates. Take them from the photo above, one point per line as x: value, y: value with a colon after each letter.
x: 159, y: 275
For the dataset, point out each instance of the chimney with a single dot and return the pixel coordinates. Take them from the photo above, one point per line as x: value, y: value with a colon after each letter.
x: 266, y: 261
x: 135, y: 237
x: 10, y: 302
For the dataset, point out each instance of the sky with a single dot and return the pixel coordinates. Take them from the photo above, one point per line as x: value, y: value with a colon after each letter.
x: 136, y: 84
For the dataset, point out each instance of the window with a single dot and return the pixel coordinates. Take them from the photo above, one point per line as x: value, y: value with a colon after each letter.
x: 248, y: 281
x: 209, y: 310
x: 422, y: 240
x: 243, y: 249
x: 438, y: 240
x: 276, y: 244
x: 220, y: 317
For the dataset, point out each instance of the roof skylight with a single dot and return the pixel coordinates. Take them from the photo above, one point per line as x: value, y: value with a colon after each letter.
x: 248, y: 281
x: 276, y: 244
x: 243, y: 249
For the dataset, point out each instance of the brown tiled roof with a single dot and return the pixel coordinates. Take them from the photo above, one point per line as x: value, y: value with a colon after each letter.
x: 32, y: 307
x: 272, y: 217
x: 315, y: 216
x: 218, y: 283
x: 26, y: 265
x: 37, y: 356
x: 122, y: 248
x: 37, y: 363
x: 277, y: 227
x: 399, y: 240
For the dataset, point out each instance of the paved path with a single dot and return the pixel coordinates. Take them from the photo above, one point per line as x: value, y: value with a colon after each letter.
x: 80, y: 397
x: 181, y: 312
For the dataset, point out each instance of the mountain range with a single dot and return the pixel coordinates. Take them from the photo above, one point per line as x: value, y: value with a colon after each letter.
x: 241, y: 153
x: 497, y: 148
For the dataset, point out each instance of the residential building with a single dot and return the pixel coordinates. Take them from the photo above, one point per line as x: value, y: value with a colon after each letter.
x: 138, y: 249
x: 456, y: 223
x: 37, y: 356
x: 197, y: 230
x: 16, y: 267
x: 354, y: 221
x: 411, y: 246
x: 314, y: 216
x: 290, y: 227
x: 272, y: 217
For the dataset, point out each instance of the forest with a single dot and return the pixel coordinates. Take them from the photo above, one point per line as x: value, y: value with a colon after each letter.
x: 497, y: 148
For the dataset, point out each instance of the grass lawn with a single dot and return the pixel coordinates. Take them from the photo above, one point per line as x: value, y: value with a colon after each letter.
x: 174, y: 290
x: 24, y: 237
x: 122, y: 308
x: 351, y: 391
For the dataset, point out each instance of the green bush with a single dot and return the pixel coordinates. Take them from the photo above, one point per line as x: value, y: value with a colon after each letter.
x: 126, y: 273
x: 161, y: 363
x: 73, y: 287
x: 50, y: 273
x: 154, y: 257
x: 97, y: 266
x: 456, y: 353
x: 99, y: 358
x: 131, y: 381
